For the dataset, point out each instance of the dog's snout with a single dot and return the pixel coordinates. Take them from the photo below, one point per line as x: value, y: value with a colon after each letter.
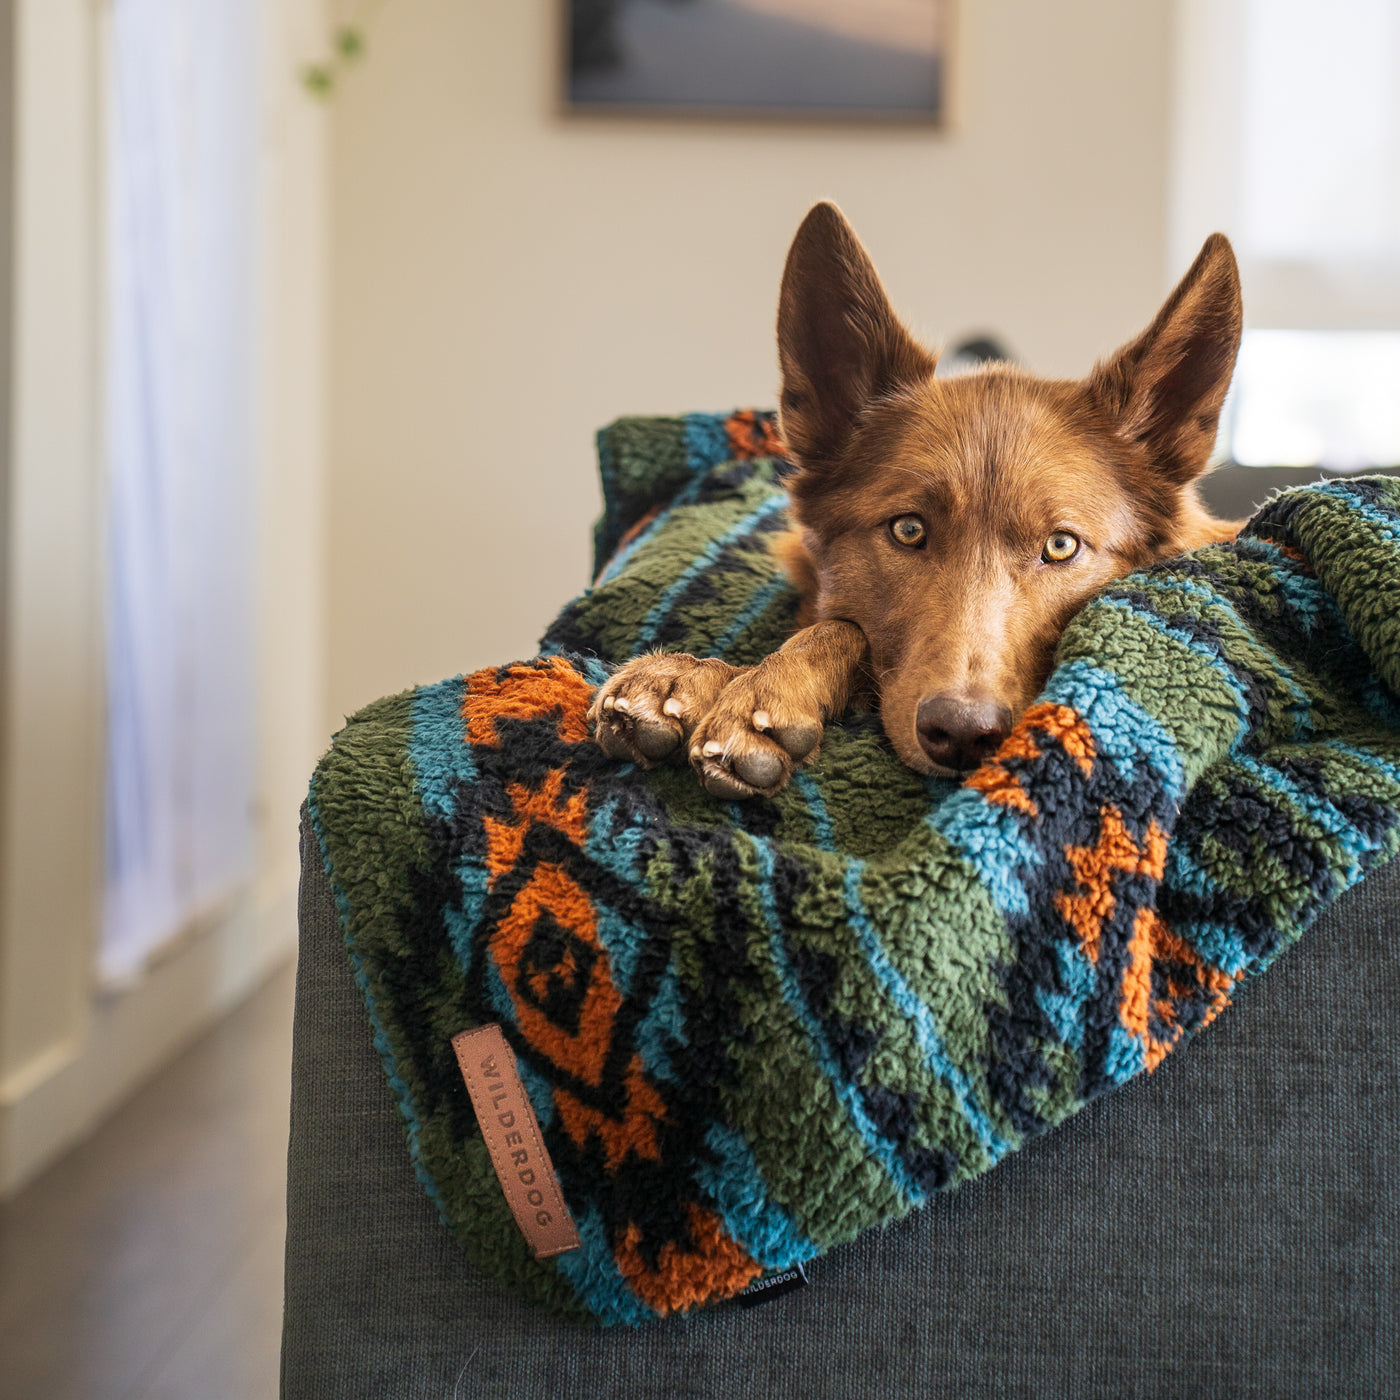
x: 960, y: 734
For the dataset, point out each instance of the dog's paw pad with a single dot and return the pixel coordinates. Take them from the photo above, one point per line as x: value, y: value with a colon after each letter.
x: 796, y: 740
x: 760, y: 768
x: 655, y: 739
x: 613, y: 740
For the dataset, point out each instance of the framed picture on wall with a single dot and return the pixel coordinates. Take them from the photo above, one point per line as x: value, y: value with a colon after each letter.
x: 792, y: 58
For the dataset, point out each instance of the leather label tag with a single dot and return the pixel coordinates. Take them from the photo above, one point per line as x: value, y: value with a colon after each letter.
x: 512, y: 1134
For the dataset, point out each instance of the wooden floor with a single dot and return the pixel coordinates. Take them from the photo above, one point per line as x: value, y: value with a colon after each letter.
x: 148, y: 1262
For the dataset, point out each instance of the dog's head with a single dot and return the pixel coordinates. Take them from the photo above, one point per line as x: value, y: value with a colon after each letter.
x: 961, y: 522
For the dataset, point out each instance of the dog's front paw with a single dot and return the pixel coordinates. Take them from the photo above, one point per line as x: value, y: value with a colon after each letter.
x: 756, y: 733
x: 647, y: 712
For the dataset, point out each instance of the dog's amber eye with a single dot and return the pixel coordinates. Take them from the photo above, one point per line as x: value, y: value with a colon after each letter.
x: 1060, y: 548
x: 908, y: 530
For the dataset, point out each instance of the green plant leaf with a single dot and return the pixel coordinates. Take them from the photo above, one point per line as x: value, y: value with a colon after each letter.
x: 318, y: 79
x: 350, y: 43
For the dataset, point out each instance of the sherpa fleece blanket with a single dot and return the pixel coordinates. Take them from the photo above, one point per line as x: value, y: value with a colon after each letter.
x: 752, y: 1031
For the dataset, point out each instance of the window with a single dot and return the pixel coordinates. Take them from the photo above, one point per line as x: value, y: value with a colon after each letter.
x: 1317, y: 398
x: 181, y: 444
x: 1288, y: 139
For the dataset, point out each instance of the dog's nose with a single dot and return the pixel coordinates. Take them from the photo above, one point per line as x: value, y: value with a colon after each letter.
x: 961, y: 734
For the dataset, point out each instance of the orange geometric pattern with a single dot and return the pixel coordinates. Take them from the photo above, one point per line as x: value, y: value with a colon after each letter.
x: 753, y: 434
x: 545, y: 804
x: 1056, y: 722
x: 525, y: 693
x: 658, y: 961
x: 1152, y: 943
x: 713, y: 1267
x: 634, y: 1132
x: 1115, y: 852
x: 998, y: 785
x: 553, y: 893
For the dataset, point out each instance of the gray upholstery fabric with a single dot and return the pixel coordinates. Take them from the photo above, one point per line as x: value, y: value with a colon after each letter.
x: 1226, y: 1227
x: 1233, y: 491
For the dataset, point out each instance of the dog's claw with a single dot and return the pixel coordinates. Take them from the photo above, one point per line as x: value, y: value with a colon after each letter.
x: 613, y: 743
x: 724, y: 785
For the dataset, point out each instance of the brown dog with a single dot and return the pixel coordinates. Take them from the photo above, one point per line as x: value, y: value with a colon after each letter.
x: 945, y: 529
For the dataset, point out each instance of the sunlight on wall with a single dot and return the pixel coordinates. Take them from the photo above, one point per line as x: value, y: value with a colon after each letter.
x: 507, y: 279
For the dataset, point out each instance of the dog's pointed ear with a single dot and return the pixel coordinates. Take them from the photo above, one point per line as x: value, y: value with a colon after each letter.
x: 1165, y: 389
x: 840, y: 345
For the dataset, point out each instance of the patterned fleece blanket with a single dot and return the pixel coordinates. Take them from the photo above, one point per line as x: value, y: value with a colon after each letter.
x: 752, y: 1031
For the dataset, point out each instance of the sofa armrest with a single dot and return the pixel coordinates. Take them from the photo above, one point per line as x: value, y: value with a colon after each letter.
x: 1226, y: 1226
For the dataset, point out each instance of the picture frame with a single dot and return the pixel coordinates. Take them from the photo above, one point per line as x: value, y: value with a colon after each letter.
x: 881, y: 60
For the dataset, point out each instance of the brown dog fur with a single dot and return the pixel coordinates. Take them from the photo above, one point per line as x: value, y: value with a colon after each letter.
x: 952, y: 625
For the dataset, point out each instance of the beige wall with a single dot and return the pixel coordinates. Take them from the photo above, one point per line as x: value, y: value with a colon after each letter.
x: 506, y: 279
x: 69, y: 1050
x: 292, y: 458
x: 50, y: 833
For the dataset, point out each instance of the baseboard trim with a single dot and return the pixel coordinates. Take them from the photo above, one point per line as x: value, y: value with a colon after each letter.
x: 51, y: 1104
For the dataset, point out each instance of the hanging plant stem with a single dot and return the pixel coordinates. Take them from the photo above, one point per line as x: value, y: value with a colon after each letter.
x: 349, y: 40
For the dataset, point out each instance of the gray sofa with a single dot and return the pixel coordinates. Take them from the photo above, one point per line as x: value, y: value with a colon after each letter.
x: 1229, y: 1226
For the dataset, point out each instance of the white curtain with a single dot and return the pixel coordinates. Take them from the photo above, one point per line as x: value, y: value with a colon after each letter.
x: 180, y: 655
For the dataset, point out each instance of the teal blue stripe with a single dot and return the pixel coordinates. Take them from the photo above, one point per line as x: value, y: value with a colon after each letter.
x: 916, y: 1012
x: 990, y: 838
x: 1368, y: 758
x: 752, y: 611
x: 822, y: 826
x: 1387, y: 525
x: 1126, y: 1055
x: 1199, y: 648
x: 1212, y: 600
x: 437, y: 746
x: 1123, y: 731
x: 879, y: 1145
x: 617, y: 845
x: 686, y: 496
x: 709, y: 556
x: 707, y: 442
x: 442, y: 760
x: 595, y: 1277
x: 1312, y: 604
x: 752, y: 1218
x: 1220, y: 945
x: 1335, y: 827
